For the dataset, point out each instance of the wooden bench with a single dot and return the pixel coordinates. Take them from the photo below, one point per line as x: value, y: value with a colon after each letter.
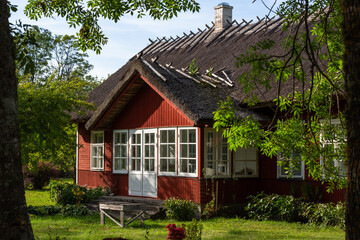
x: 122, y: 208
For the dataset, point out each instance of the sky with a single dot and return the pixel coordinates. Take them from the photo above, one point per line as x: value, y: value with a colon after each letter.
x: 130, y: 35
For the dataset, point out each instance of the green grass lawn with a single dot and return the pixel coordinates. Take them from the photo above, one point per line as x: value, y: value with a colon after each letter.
x: 220, y: 228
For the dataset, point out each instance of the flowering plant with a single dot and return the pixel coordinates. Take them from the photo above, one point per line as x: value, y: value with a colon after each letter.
x: 175, y: 233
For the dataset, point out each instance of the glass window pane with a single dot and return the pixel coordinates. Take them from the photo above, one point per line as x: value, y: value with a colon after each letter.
x: 94, y: 151
x: 100, y: 151
x: 183, y: 150
x: 183, y: 136
x: 171, y: 136
x: 123, y: 151
x: 163, y: 151
x: 138, y: 164
x: 192, y: 166
x: 152, y: 137
x: 123, y: 164
x: 183, y: 165
x: 147, y: 138
x: 117, y: 138
x: 117, y: 164
x: 138, y: 138
x: 133, y: 140
x: 172, y: 150
x: 163, y: 136
x: 171, y: 165
x: 147, y: 151
x: 163, y: 165
x: 192, y: 136
x: 117, y: 151
x: 192, y: 151
x: 123, y: 138
x: 133, y: 165
x: 138, y: 151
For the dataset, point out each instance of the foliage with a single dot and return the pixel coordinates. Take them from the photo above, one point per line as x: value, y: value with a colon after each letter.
x: 309, y: 69
x: 193, y: 68
x: 174, y: 232
x: 44, y: 210
x: 85, y: 15
x: 74, y: 210
x: 88, y: 227
x: 290, y: 209
x: 193, y: 230
x: 64, y: 193
x: 180, y: 209
x: 39, y: 175
x: 210, y: 209
x: 325, y: 214
x: 274, y: 207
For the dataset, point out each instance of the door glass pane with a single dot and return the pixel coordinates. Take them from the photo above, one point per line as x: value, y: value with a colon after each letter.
x: 152, y: 165
x: 138, y: 151
x: 147, y: 165
x: 147, y: 151
x: 133, y: 165
x: 147, y: 138
x: 138, y: 164
x: 152, y: 151
x: 163, y: 136
x: 152, y: 137
x: 138, y: 138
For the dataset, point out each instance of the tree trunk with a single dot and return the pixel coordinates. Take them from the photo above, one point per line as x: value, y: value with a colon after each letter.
x: 14, y: 219
x: 351, y: 37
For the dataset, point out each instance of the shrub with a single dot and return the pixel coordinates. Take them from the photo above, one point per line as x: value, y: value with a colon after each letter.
x: 325, y: 214
x: 193, y: 230
x: 175, y: 233
x: 43, y: 210
x: 274, y: 207
x: 180, y: 209
x: 65, y: 193
x: 38, y: 176
x: 74, y: 210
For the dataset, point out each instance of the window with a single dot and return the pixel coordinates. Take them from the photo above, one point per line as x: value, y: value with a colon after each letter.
x: 120, y: 152
x: 188, y: 151
x: 167, y: 151
x: 217, y: 155
x: 291, y: 167
x: 333, y: 141
x: 246, y: 162
x: 97, y: 150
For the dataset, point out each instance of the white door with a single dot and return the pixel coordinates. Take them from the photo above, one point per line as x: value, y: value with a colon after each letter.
x: 143, y: 152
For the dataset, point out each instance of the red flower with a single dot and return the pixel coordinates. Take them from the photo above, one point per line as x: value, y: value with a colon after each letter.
x: 175, y: 233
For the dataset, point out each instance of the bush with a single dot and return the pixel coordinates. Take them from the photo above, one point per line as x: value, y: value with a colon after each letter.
x: 43, y: 210
x: 38, y: 176
x: 274, y: 207
x: 180, y: 209
x: 64, y: 193
x: 74, y: 210
x: 325, y: 214
x: 193, y: 230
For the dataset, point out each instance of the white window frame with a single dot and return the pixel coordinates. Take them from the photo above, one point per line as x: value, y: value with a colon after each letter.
x: 102, y: 152
x: 245, y: 159
x: 286, y: 176
x: 187, y: 174
x: 335, y: 143
x: 161, y: 173
x: 127, y: 152
x: 218, y: 155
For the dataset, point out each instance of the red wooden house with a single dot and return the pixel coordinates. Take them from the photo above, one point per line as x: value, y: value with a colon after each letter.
x: 151, y: 134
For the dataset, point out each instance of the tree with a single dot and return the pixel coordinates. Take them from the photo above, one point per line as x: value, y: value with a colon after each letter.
x: 319, y: 65
x: 14, y: 220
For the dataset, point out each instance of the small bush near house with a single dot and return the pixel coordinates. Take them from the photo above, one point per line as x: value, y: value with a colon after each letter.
x: 290, y: 209
x: 64, y: 193
x: 38, y: 176
x: 180, y: 209
x: 74, y: 210
x: 325, y: 214
x: 43, y: 210
x: 274, y: 207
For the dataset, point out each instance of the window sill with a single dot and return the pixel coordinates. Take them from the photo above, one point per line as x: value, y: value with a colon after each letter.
x: 120, y: 172
x: 97, y: 169
x: 291, y: 178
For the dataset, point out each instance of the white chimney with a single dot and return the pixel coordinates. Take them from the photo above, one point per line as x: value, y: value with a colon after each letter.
x: 223, y: 12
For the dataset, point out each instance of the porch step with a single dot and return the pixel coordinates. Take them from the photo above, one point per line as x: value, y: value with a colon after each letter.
x: 154, y: 207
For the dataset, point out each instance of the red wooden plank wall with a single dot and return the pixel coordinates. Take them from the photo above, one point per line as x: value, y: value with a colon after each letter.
x: 182, y: 187
x: 149, y: 110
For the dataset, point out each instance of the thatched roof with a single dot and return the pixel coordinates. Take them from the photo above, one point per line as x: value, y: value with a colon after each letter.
x: 198, y: 97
